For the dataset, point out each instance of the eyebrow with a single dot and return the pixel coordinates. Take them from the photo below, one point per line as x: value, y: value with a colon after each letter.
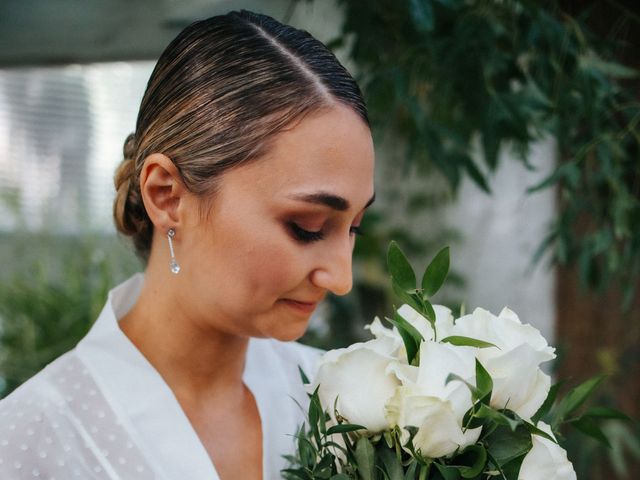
x: 335, y: 202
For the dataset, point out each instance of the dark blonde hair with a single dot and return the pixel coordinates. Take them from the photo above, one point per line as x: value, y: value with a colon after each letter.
x: 219, y: 94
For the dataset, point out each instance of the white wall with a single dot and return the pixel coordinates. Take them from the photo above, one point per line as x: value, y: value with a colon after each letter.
x: 501, y: 234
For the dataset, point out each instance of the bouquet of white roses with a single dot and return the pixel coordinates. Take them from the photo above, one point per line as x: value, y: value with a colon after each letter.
x: 435, y: 397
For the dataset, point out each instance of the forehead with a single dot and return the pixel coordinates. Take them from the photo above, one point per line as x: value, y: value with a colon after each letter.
x: 329, y: 151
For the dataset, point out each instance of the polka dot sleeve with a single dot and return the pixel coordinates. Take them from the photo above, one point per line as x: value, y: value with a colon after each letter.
x: 59, y: 426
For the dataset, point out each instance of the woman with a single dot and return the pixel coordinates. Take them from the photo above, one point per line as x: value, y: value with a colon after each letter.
x: 243, y: 188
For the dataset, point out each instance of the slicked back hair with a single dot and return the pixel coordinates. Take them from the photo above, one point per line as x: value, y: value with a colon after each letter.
x: 218, y: 96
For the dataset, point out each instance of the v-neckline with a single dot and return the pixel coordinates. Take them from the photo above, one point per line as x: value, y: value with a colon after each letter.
x: 144, y: 401
x: 150, y: 412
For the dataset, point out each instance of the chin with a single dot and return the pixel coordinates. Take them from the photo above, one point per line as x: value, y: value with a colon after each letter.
x: 286, y: 329
x: 289, y: 334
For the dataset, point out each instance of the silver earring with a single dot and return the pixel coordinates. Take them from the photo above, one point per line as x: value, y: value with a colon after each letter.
x: 175, y: 268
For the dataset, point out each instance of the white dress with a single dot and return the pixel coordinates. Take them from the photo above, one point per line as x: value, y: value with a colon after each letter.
x: 101, y: 411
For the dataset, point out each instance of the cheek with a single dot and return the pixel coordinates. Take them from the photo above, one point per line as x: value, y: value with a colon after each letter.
x: 273, y: 268
x: 260, y: 264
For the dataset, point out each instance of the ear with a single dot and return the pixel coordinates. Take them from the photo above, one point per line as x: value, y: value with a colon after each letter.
x: 162, y: 190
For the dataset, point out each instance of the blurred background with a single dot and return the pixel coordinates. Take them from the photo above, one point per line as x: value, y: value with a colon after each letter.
x: 508, y: 130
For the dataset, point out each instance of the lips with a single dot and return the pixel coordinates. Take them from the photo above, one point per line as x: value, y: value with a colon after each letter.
x: 300, y: 306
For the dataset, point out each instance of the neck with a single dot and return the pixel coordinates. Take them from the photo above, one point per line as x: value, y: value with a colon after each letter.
x: 194, y: 359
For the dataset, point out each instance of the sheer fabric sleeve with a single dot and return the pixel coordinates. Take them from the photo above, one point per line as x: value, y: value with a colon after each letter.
x: 59, y: 426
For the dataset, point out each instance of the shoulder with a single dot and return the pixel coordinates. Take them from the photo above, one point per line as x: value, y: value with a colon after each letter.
x: 38, y: 387
x: 32, y: 418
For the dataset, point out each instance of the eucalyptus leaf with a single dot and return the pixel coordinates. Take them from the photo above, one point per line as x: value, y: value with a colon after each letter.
x: 412, y: 468
x: 391, y: 464
x: 365, y: 459
x: 436, y: 272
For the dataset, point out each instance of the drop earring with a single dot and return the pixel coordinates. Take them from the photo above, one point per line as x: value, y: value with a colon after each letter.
x: 173, y: 264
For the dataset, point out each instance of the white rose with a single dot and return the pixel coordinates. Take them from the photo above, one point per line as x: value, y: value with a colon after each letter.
x: 514, y: 365
x: 426, y: 402
x: 546, y: 460
x: 390, y: 337
x: 357, y: 377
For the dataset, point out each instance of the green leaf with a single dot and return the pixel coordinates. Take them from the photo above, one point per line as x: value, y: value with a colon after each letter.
x: 400, y: 268
x: 391, y: 463
x: 344, y: 428
x: 506, y: 445
x: 365, y: 459
x: 428, y: 311
x: 407, y: 298
x: 548, y: 403
x: 471, y: 461
x: 473, y: 170
x: 307, y: 452
x: 410, y: 336
x: 435, y: 273
x: 498, y: 417
x: 461, y: 341
x: 317, y: 423
x: 536, y: 431
x: 303, y: 376
x: 511, y: 470
x: 341, y: 476
x: 611, y: 69
x: 447, y: 472
x: 297, y: 473
x: 587, y: 426
x: 604, y: 412
x: 575, y: 398
x: 410, y: 474
x: 484, y: 383
x: 452, y: 377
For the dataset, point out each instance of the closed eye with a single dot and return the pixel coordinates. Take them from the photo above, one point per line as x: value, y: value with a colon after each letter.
x: 305, y: 236
x: 308, y: 236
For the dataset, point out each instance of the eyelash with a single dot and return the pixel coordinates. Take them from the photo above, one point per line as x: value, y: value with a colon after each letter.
x: 307, y: 236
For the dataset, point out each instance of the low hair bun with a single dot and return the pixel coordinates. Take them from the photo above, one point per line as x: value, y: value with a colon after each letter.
x: 130, y: 217
x: 129, y: 148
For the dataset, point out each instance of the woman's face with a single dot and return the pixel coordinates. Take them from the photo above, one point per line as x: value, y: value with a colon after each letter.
x: 281, y: 230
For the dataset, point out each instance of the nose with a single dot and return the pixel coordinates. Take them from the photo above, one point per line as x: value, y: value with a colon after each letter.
x: 335, y: 271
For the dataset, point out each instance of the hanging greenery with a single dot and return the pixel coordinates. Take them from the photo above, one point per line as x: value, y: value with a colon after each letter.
x: 449, y: 76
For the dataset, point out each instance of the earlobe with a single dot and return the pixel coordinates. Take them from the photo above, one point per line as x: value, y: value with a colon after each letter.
x: 162, y: 189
